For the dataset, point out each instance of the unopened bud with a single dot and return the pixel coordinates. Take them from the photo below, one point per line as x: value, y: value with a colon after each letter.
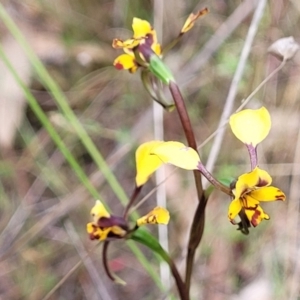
x: 160, y: 70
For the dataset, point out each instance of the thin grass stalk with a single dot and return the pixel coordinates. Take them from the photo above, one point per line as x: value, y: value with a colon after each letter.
x: 62, y: 103
x: 50, y: 129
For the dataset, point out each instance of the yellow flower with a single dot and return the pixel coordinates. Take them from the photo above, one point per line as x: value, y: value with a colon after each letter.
x: 158, y: 215
x: 250, y: 189
x: 251, y: 126
x: 105, y: 225
x: 143, y: 33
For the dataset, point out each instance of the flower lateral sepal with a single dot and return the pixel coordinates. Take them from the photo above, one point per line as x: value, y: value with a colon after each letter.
x: 146, y: 164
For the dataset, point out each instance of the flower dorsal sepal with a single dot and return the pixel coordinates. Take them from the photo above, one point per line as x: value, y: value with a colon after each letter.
x: 251, y: 126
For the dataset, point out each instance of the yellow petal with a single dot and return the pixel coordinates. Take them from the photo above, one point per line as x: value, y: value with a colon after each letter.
x: 104, y: 233
x: 146, y: 164
x: 269, y: 193
x: 255, y: 216
x: 156, y: 48
x: 90, y: 227
x: 99, y: 211
x: 234, y: 208
x: 158, y: 215
x: 126, y: 62
x: 252, y: 180
x: 119, y: 44
x: 140, y: 28
x: 249, y: 202
x: 251, y: 126
x: 189, y: 23
x: 117, y: 230
x: 177, y: 154
x: 97, y: 233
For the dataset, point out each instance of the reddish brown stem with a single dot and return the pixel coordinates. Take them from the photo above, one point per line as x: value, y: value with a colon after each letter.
x: 133, y: 197
x: 105, y: 261
x: 225, y: 189
x: 198, y: 221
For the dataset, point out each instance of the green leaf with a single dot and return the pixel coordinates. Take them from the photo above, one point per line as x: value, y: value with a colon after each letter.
x: 147, y: 239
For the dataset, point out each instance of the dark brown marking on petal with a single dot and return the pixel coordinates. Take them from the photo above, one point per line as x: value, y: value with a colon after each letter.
x: 119, y: 66
x: 280, y: 197
x: 245, y: 204
x: 254, y: 220
x: 94, y: 236
x: 112, y: 221
x: 262, y: 182
x: 114, y: 235
x: 244, y: 224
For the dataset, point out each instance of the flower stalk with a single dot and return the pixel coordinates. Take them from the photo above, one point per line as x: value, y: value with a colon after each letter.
x: 253, y: 156
x: 196, y: 231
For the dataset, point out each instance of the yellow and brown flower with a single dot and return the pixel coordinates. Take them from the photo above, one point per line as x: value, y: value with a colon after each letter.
x: 251, y: 189
x: 106, y: 226
x: 143, y: 34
